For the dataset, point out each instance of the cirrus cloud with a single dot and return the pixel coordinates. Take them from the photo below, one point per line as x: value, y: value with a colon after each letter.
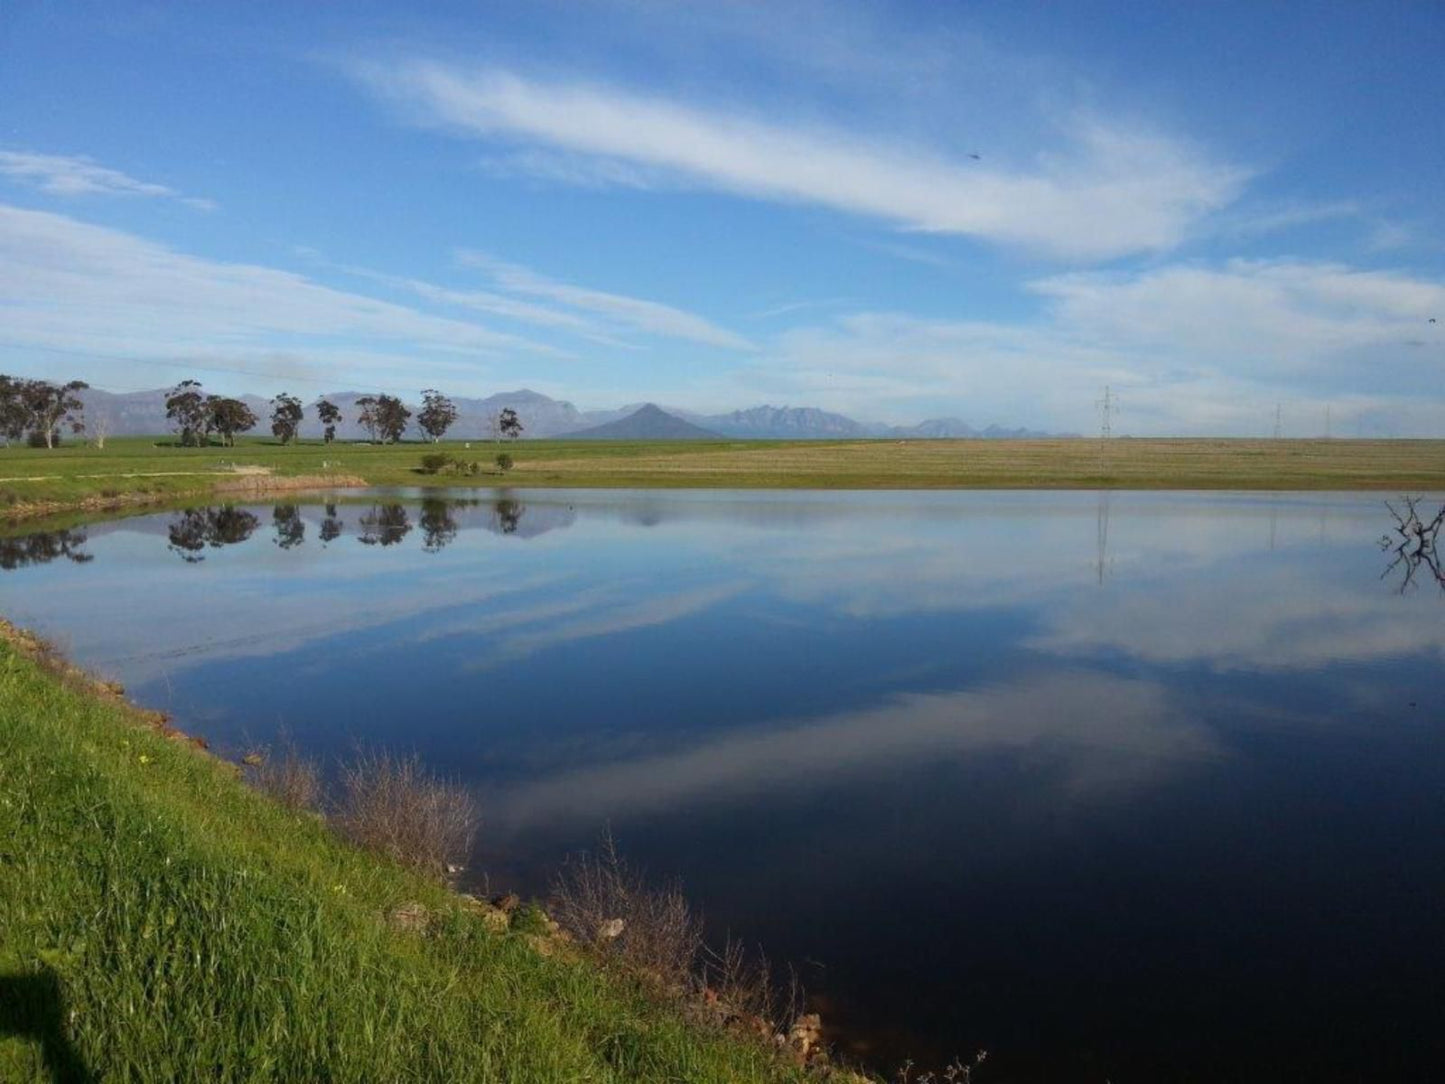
x: 78, y: 175
x: 1100, y: 189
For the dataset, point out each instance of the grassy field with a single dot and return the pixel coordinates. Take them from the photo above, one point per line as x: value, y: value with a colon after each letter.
x: 39, y: 480
x: 161, y: 921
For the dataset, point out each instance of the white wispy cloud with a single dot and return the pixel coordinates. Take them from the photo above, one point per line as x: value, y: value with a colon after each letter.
x: 70, y: 285
x: 486, y: 301
x: 1278, y: 217
x: 1100, y: 189
x: 78, y: 175
x: 1195, y: 348
x: 579, y: 170
x: 638, y: 313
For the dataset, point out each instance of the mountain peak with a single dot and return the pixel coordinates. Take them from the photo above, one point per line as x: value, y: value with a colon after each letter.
x: 647, y: 422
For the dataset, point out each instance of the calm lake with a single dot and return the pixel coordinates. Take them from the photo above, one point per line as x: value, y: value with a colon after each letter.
x: 1131, y: 786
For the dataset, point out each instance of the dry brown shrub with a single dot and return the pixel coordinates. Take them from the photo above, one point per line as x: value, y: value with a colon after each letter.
x: 285, y: 775
x: 393, y: 805
x: 660, y: 938
x: 744, y: 986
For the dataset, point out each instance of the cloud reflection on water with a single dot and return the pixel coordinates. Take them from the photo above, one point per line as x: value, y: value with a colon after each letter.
x: 1228, y: 581
x: 1102, y: 732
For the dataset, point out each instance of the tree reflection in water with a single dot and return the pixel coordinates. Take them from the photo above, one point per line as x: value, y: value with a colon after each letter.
x: 438, y: 526
x: 509, y: 514
x: 290, y: 527
x: 192, y: 531
x: 196, y: 528
x: 331, y: 526
x: 385, y: 524
x: 42, y: 547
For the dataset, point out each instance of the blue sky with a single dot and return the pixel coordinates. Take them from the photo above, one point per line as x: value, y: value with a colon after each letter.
x: 898, y: 211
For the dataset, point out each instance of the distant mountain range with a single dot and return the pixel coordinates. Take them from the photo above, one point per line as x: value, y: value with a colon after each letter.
x: 648, y: 422
x: 143, y: 413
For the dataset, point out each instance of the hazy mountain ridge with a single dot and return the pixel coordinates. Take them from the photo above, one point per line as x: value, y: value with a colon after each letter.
x: 143, y: 413
x: 648, y: 422
x: 806, y: 423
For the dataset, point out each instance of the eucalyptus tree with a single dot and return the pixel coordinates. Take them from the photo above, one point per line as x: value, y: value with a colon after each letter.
x: 329, y: 414
x: 367, y: 418
x: 286, y: 415
x: 12, y: 407
x: 509, y: 424
x: 41, y: 409
x: 187, y: 408
x: 229, y: 417
x: 54, y: 405
x: 437, y: 414
x: 391, y: 418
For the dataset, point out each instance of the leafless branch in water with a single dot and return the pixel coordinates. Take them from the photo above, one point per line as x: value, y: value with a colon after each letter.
x: 1412, y: 544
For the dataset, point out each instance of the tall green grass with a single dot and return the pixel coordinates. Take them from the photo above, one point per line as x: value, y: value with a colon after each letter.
x: 161, y: 921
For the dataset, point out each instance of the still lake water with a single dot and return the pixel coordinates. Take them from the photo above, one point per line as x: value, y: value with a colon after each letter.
x: 1132, y: 786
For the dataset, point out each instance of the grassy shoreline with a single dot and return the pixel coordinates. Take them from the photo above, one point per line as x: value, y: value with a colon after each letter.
x: 138, y: 470
x: 161, y: 920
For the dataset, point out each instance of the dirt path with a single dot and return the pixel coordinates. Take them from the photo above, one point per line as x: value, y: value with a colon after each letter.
x: 135, y: 474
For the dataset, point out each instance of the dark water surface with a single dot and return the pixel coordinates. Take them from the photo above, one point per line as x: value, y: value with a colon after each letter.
x: 1136, y: 787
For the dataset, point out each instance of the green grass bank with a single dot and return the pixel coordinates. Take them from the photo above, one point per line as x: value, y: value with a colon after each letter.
x: 136, y: 469
x: 159, y: 920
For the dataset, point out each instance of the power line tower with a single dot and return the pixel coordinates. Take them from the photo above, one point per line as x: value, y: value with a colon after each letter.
x: 1107, y: 406
x: 1327, y: 423
x: 1278, y: 422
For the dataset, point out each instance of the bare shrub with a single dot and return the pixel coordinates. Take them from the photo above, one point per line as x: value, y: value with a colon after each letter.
x: 957, y: 1071
x: 285, y: 775
x: 603, y: 902
x: 395, y: 806
x: 742, y: 985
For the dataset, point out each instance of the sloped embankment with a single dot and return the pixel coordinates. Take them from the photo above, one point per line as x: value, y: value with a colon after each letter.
x: 159, y: 920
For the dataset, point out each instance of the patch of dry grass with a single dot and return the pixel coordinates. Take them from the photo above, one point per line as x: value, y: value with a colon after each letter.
x: 392, y: 805
x: 603, y: 902
x: 285, y: 775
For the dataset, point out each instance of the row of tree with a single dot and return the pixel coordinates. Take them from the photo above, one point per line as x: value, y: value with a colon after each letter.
x: 384, y: 417
x: 39, y: 410
x: 196, y: 415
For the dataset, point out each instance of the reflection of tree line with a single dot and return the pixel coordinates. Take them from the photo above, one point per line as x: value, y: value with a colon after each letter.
x: 1412, y: 542
x: 384, y: 523
x: 43, y: 547
x: 193, y: 530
